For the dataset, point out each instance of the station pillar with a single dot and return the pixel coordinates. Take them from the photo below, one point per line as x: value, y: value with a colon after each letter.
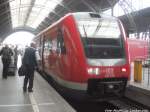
x: 138, y: 71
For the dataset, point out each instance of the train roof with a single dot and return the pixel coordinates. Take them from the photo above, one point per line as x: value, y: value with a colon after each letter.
x: 81, y: 15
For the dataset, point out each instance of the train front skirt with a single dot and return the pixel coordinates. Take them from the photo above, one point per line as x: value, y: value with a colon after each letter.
x: 109, y: 87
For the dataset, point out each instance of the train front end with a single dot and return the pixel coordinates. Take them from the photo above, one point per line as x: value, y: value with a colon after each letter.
x: 106, y: 55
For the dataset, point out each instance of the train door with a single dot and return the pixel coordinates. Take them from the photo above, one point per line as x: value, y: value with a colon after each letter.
x: 49, y: 53
x: 41, y: 51
x: 62, y: 59
x: 52, y: 52
x: 39, y: 45
x: 45, y: 53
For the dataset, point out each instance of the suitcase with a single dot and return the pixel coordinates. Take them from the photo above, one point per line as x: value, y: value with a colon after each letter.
x: 12, y: 68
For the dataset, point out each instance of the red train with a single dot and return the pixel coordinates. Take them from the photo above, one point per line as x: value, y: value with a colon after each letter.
x: 86, y: 53
x: 138, y: 49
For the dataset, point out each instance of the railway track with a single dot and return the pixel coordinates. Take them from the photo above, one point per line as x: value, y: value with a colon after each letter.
x: 127, y: 105
x: 120, y: 105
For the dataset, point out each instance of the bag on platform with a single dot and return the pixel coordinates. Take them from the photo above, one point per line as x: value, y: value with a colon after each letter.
x: 22, y: 70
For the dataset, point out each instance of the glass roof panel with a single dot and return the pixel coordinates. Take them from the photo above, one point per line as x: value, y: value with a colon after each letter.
x: 23, y: 12
x: 40, y: 2
x: 46, y: 7
x: 30, y: 13
x: 19, y: 9
x: 36, y: 9
x: 129, y: 5
x: 24, y: 2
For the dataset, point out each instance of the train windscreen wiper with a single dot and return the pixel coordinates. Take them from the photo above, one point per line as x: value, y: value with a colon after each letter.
x: 86, y: 41
x: 85, y: 34
x: 98, y: 27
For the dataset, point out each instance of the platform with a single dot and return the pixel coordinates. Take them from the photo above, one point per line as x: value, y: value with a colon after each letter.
x: 43, y: 99
x: 139, y: 91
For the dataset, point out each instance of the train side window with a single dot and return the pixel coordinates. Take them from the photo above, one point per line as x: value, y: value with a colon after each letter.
x: 60, y: 43
x: 54, y: 45
x: 47, y: 46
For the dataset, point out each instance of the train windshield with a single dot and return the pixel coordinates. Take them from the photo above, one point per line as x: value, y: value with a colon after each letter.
x: 102, y: 39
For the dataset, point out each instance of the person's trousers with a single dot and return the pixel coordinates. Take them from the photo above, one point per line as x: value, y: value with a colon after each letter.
x: 15, y: 61
x: 6, y: 63
x: 29, y: 77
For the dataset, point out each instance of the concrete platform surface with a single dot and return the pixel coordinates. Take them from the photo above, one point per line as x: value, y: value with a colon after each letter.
x: 43, y: 99
x: 139, y: 91
x: 138, y: 94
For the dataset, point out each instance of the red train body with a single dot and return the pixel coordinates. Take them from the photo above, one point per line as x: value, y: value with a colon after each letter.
x: 86, y: 52
x: 138, y: 49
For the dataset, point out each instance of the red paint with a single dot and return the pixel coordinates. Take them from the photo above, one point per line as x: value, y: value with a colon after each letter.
x: 138, y: 49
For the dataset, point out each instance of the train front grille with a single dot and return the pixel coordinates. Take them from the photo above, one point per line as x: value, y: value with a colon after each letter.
x: 106, y: 87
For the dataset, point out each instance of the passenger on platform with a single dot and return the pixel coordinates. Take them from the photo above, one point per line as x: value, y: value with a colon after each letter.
x: 6, y: 54
x: 30, y: 62
x: 16, y: 52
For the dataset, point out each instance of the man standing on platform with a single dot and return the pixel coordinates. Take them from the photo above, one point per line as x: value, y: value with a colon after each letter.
x: 16, y: 56
x: 6, y: 54
x: 30, y: 62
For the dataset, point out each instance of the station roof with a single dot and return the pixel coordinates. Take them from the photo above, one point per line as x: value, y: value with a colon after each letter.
x: 36, y: 15
x: 137, y: 21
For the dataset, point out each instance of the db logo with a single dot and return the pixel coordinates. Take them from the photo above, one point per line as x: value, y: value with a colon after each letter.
x: 109, y: 72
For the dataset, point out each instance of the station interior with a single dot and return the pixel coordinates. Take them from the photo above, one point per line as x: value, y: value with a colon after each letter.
x: 29, y: 18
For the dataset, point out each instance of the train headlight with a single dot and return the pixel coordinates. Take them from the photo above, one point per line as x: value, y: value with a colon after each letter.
x: 123, y: 69
x: 93, y: 71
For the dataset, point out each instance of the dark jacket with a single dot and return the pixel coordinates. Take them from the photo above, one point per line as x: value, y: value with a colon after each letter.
x: 29, y: 58
x: 6, y: 53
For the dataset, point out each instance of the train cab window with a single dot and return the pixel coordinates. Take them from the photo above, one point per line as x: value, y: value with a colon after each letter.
x: 60, y: 43
x: 101, y: 38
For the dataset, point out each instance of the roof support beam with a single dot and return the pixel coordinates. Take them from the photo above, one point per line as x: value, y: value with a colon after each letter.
x: 89, y: 5
x: 5, y: 19
x: 6, y: 2
x: 29, y: 11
